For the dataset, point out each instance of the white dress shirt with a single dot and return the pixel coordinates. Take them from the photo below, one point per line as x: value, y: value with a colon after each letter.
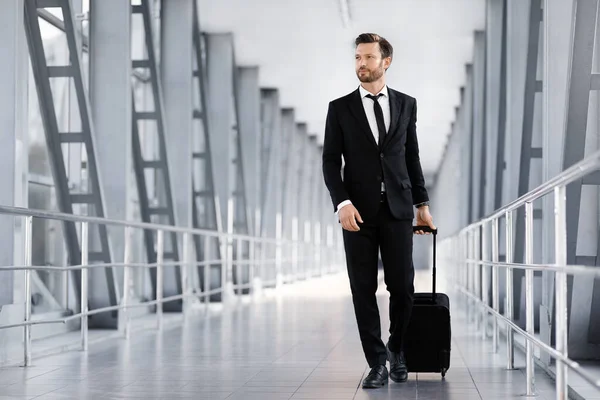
x: 368, y: 105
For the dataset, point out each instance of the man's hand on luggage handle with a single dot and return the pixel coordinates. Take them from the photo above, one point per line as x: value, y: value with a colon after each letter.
x: 424, y: 218
x: 348, y: 215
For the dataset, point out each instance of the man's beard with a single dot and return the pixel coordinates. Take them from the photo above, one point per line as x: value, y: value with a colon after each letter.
x: 370, y: 76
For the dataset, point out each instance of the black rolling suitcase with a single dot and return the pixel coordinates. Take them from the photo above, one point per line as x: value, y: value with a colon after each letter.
x: 428, y: 336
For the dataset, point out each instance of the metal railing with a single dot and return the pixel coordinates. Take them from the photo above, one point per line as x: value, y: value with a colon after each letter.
x: 468, y: 251
x: 320, y: 260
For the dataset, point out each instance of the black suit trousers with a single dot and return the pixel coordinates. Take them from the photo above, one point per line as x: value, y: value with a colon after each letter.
x: 394, y: 238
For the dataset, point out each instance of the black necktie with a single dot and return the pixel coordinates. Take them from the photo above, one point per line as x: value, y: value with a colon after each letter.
x: 378, y: 116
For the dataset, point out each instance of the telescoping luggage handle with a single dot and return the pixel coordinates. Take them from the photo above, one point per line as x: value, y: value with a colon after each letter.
x: 434, y: 232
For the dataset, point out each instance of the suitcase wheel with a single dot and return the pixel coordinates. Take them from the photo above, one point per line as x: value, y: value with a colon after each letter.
x: 444, y: 372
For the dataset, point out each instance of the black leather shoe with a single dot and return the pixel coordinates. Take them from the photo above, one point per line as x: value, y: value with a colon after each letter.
x: 398, y: 370
x: 377, y: 377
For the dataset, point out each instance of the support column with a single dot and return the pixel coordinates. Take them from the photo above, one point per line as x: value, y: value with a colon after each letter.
x: 518, y: 27
x: 530, y: 153
x: 110, y: 101
x: 290, y: 188
x: 14, y: 75
x: 297, y: 173
x: 176, y: 81
x: 558, y: 20
x: 271, y: 207
x: 465, y: 127
x: 11, y: 99
x: 479, y: 138
x: 248, y: 95
x: 304, y: 177
x: 581, y: 129
x: 493, y: 49
x: 177, y: 84
x: 249, y: 112
x: 502, y: 134
x: 315, y: 235
x: 221, y: 114
x: 70, y: 115
x: 516, y: 62
x: 324, y: 214
x: 288, y: 164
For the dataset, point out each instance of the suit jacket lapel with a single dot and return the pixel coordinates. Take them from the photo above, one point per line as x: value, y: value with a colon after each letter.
x: 358, y: 111
x: 395, y: 107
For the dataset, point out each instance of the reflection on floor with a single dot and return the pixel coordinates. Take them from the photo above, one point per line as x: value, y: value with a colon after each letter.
x: 301, y: 343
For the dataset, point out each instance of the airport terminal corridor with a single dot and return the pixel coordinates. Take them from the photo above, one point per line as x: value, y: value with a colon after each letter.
x: 299, y: 344
x: 191, y: 188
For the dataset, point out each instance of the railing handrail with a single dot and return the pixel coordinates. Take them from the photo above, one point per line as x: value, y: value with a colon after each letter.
x: 571, y: 269
x: 576, y: 171
x: 187, y: 291
x: 471, y: 251
x: 572, y: 364
x: 44, y: 214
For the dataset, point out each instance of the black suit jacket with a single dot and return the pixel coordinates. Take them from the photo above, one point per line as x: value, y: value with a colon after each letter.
x: 347, y: 134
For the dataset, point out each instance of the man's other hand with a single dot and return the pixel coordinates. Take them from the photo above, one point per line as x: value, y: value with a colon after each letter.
x: 348, y: 217
x: 424, y: 218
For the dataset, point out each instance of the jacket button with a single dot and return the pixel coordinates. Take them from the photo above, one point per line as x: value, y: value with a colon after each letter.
x: 381, y: 155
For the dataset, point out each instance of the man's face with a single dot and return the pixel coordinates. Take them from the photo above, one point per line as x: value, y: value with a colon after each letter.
x: 368, y: 62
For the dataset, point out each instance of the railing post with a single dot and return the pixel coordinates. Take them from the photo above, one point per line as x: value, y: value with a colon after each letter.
x: 238, y: 265
x: 484, y: 278
x: 467, y: 285
x: 160, y: 246
x: 224, y: 264
x: 478, y: 276
x: 495, y: 294
x: 84, y: 284
x: 317, y: 237
x: 286, y: 266
x: 186, y: 273
x: 263, y: 254
x: 463, y: 266
x: 510, y: 353
x: 127, y: 259
x: 474, y: 274
x: 207, y: 267
x: 560, y: 248
x: 251, y: 261
x: 227, y: 292
x: 28, y: 228
x: 279, y: 281
x: 529, y: 315
x: 459, y: 261
x: 330, y: 249
x: 278, y: 263
x: 467, y: 268
x: 471, y: 288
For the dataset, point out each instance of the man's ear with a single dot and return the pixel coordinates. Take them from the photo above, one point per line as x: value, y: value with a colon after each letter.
x: 387, y: 62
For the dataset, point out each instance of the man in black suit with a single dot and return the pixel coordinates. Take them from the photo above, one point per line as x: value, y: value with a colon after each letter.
x: 374, y: 130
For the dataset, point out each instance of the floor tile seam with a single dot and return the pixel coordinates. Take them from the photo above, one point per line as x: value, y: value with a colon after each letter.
x: 462, y: 356
x: 287, y: 352
x: 359, y: 382
x: 317, y: 366
x: 258, y: 372
x: 47, y: 393
x: 45, y: 373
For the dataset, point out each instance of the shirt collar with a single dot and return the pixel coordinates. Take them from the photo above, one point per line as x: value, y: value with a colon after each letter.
x: 364, y: 92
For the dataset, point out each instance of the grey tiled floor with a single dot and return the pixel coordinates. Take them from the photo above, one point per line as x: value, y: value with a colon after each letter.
x: 298, y: 344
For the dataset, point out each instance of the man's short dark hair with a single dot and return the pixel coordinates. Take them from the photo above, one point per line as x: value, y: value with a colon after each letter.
x: 386, y: 48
